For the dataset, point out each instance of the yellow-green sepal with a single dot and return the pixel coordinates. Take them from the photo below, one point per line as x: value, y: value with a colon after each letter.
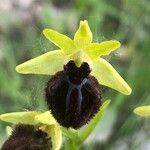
x: 83, y: 36
x: 143, y: 111
x: 108, y: 76
x: 45, y: 118
x: 95, y: 50
x: 51, y: 127
x: 20, y: 117
x: 54, y: 132
x: 46, y: 64
x: 61, y: 40
x: 9, y: 131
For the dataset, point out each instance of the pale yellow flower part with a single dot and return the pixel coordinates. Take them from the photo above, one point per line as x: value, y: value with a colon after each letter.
x: 80, y: 49
x: 143, y: 111
x: 44, y: 121
x: 45, y: 118
x: 62, y: 41
x: 47, y: 63
x: 20, y: 117
x: 108, y: 76
x: 95, y: 50
x: 55, y: 132
x: 83, y: 36
x: 8, y: 131
x: 51, y: 128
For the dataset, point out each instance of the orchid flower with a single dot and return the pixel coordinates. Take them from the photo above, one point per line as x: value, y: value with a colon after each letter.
x: 143, y: 111
x: 80, y: 49
x: 43, y: 121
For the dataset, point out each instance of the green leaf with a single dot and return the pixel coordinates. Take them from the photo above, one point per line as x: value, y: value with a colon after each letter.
x: 71, y: 145
x: 71, y: 134
x: 83, y: 134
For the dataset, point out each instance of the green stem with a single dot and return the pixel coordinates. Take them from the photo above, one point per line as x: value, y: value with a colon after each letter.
x: 71, y: 134
x: 70, y: 145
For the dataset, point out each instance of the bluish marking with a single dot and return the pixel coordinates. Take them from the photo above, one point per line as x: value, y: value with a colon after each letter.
x: 71, y: 88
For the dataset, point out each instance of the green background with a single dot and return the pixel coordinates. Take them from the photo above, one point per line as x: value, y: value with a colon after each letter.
x: 21, y: 25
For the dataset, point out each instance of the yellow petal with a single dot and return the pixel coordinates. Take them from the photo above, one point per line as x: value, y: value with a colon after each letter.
x: 62, y: 41
x: 95, y: 50
x: 143, y: 111
x: 45, y: 118
x: 48, y: 64
x: 19, y: 117
x: 83, y: 36
x: 108, y: 76
x: 55, y: 133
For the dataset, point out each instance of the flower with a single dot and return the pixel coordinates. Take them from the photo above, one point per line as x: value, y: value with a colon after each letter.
x: 43, y: 121
x: 27, y: 137
x: 80, y: 49
x: 143, y: 111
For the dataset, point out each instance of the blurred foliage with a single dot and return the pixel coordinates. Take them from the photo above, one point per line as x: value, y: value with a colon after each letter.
x: 21, y: 25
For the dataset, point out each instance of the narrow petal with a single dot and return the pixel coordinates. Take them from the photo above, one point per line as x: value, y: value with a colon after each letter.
x: 45, y: 118
x: 62, y: 41
x: 108, y: 76
x: 143, y: 111
x: 19, y: 117
x: 95, y: 50
x: 48, y: 64
x: 83, y: 36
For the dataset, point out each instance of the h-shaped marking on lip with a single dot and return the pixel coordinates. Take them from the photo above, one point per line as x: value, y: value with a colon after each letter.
x: 71, y: 88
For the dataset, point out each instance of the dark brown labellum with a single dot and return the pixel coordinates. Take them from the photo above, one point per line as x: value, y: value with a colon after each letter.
x: 73, y: 95
x: 26, y: 137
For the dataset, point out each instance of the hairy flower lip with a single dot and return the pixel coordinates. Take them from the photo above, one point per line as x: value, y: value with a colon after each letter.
x: 52, y: 62
x: 73, y: 95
